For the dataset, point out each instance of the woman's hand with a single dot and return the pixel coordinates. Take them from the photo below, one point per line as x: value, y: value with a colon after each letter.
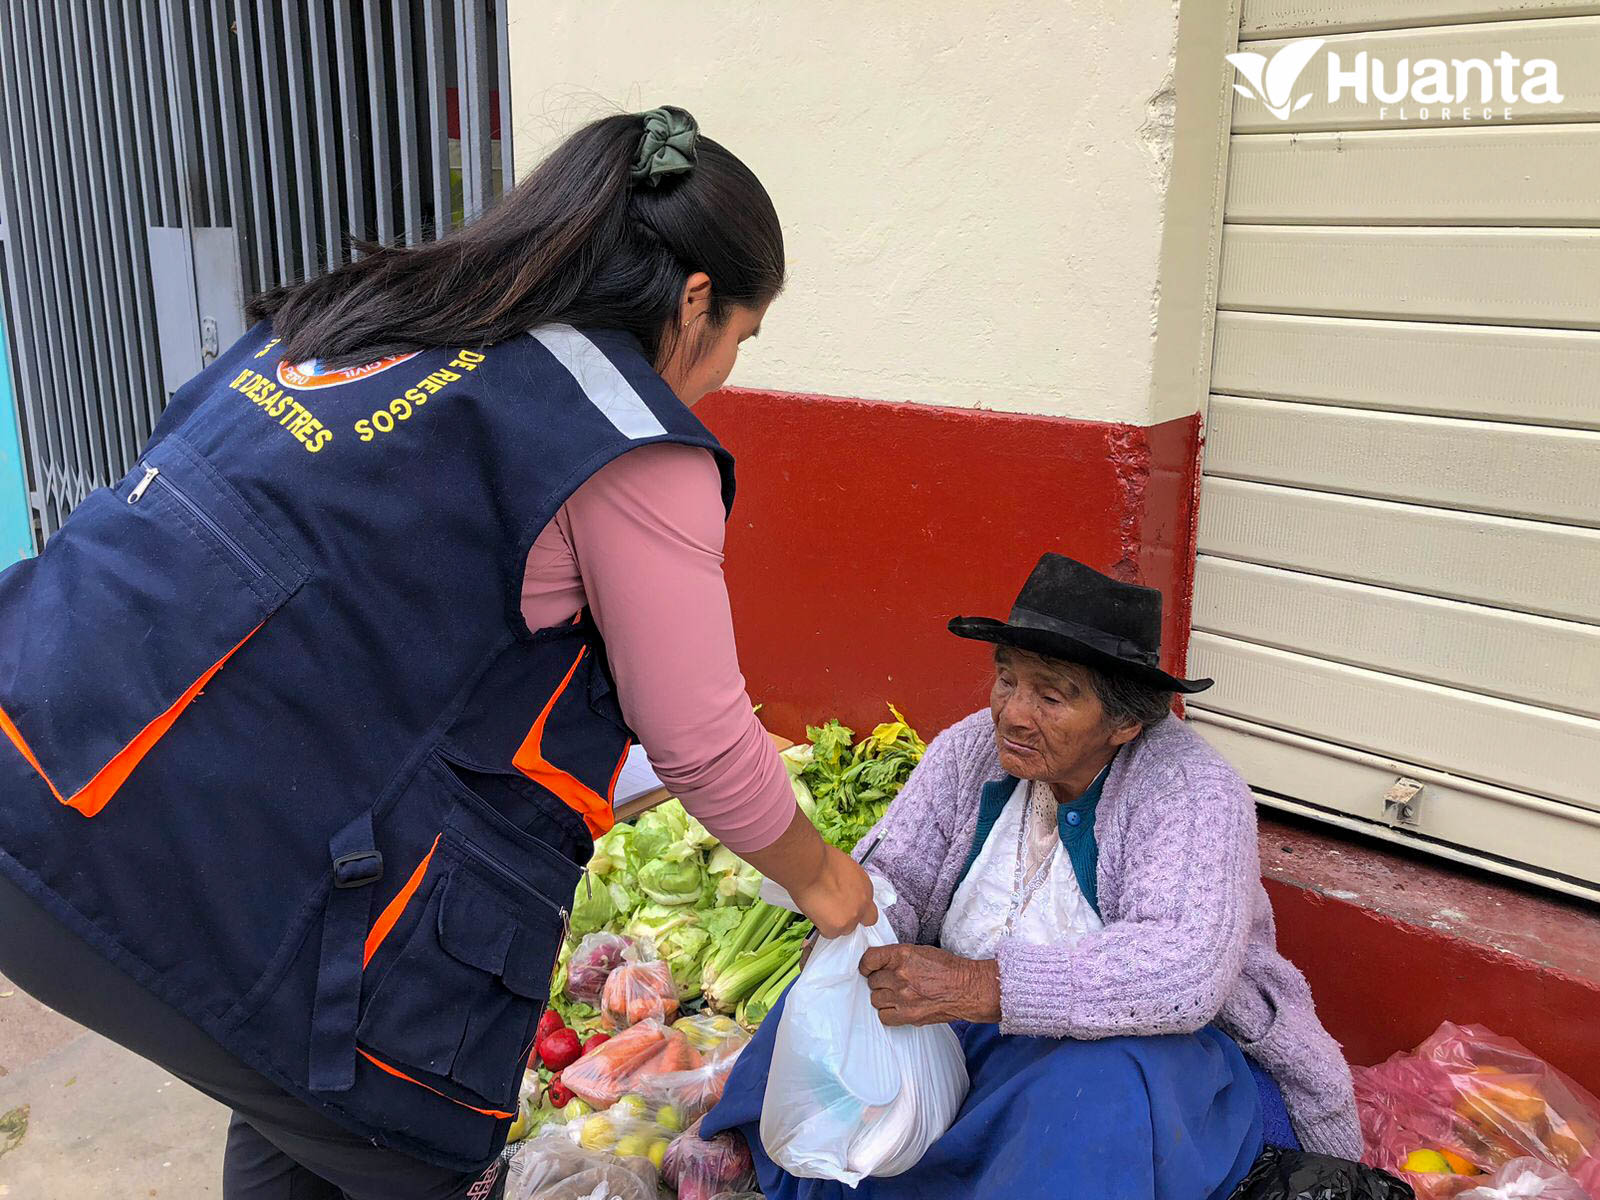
x: 826, y: 884
x: 923, y: 985
x: 839, y: 898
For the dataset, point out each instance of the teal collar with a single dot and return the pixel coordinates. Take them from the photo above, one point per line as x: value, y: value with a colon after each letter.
x: 1074, y: 821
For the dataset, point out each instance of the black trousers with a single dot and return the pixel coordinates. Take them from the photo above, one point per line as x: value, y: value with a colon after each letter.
x: 278, y: 1148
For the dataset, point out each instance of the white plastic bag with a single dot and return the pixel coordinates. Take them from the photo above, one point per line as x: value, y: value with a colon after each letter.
x: 1525, y: 1179
x: 552, y: 1167
x: 848, y: 1097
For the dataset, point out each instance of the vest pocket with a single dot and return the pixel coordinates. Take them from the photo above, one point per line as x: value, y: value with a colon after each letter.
x: 130, y: 610
x: 459, y: 1001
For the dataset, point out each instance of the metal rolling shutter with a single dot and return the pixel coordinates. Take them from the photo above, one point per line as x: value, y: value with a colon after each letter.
x: 1399, y: 571
x: 164, y: 160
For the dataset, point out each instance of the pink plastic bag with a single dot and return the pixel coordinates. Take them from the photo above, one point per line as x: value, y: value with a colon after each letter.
x: 701, y: 1169
x: 1478, y: 1101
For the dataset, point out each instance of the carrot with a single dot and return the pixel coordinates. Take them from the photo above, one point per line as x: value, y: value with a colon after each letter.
x: 603, y: 1075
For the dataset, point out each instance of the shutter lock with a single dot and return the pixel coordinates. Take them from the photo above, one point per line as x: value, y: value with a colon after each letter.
x: 1402, y: 803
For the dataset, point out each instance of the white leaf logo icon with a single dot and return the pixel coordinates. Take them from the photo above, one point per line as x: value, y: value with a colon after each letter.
x: 1272, y: 80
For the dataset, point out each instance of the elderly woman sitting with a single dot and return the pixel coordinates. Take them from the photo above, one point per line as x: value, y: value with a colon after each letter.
x: 1079, y: 892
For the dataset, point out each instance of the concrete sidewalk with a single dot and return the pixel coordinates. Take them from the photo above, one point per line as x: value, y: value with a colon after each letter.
x: 103, y: 1124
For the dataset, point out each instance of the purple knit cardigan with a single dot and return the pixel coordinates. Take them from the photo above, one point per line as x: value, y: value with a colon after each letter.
x: 1188, y: 935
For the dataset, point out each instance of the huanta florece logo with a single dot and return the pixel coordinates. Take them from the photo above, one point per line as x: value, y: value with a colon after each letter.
x: 1272, y: 79
x: 1468, y: 88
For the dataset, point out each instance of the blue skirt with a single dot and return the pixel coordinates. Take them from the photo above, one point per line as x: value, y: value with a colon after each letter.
x: 1129, y: 1118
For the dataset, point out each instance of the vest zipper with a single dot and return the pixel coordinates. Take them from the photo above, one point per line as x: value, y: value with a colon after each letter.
x: 481, y: 857
x: 152, y: 474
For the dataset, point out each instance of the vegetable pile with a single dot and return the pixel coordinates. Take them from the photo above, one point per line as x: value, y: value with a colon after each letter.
x: 667, y: 921
x: 853, y: 785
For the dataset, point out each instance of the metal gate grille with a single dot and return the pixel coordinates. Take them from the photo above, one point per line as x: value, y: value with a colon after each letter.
x: 164, y: 159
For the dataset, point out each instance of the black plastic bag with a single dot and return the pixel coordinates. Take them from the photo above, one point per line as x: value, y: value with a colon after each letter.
x: 1295, y: 1175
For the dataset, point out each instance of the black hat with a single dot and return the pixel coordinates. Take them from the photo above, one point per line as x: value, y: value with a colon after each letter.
x: 1069, y: 611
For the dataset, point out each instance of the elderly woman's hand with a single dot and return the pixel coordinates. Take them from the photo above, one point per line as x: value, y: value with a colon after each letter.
x: 923, y: 985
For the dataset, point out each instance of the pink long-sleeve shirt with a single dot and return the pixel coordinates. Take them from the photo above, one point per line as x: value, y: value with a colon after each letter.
x: 641, y: 545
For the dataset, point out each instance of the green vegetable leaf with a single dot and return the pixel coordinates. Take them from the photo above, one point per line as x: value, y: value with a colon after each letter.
x: 592, y: 906
x: 672, y: 881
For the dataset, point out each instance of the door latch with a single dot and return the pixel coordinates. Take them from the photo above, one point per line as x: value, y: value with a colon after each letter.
x: 1402, y: 803
x: 210, y: 346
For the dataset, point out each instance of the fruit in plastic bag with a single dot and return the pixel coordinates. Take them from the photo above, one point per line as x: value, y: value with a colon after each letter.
x: 1527, y: 1179
x: 712, y: 1033
x: 1428, y: 1161
x: 1481, y: 1101
x: 637, y: 992
x: 1295, y: 1175
x: 848, y: 1097
x: 552, y: 1167
x: 688, y: 1095
x: 611, y: 1071
x: 623, y: 1134
x: 700, y: 1168
x: 597, y: 955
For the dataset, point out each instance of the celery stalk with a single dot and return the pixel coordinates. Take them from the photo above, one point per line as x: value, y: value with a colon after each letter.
x: 748, y: 973
x: 751, y: 932
x: 755, y: 1009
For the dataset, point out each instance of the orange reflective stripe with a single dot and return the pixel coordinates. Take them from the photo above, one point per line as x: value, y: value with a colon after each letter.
x: 611, y: 788
x: 391, y: 913
x: 594, y: 808
x: 97, y: 793
x: 388, y: 1070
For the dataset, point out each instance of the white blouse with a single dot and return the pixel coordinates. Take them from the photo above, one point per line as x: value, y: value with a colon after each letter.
x: 1022, y: 884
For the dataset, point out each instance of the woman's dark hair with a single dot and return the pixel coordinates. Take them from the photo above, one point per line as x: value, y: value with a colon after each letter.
x: 1126, y: 700
x: 576, y: 242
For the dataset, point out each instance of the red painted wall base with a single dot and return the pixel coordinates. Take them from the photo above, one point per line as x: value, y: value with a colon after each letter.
x: 862, y: 527
x: 1394, y: 944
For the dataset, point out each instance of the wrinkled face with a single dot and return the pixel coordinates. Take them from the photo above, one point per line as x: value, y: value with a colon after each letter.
x: 1049, y: 723
x: 704, y: 354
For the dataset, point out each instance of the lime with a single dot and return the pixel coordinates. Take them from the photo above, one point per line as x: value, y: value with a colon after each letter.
x: 633, y: 1105
x: 596, y: 1133
x: 635, y: 1145
x: 1427, y: 1162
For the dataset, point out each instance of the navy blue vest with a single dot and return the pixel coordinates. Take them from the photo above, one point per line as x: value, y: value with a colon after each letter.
x: 275, y: 739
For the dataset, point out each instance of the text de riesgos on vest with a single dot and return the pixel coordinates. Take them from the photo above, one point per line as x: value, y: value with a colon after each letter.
x: 296, y: 417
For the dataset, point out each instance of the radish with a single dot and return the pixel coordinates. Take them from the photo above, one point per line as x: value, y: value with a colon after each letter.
x: 560, y: 1049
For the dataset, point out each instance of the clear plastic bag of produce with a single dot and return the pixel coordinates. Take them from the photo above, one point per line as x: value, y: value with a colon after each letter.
x: 554, y: 1167
x: 714, y: 1035
x: 848, y: 1097
x: 1467, y: 1102
x: 693, y: 1093
x: 638, y: 991
x: 591, y: 964
x: 702, y: 1169
x: 624, y: 1130
x: 1295, y: 1175
x: 619, y: 1066
x: 1528, y: 1179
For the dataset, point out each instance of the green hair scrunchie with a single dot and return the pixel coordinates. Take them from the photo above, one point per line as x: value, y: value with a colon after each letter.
x: 666, y: 147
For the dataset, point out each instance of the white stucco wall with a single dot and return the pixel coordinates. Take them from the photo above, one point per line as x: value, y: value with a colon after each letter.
x: 972, y: 195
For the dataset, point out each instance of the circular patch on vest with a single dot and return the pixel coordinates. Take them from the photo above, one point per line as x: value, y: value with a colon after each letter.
x: 311, y: 374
